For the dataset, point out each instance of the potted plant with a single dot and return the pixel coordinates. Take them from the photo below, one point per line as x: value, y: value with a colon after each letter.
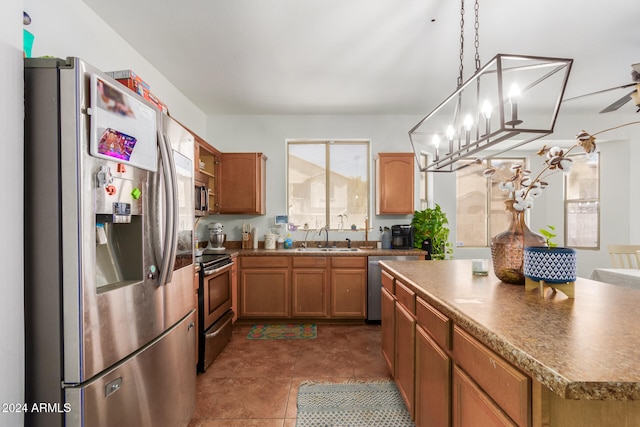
x: 550, y: 263
x: 430, y: 226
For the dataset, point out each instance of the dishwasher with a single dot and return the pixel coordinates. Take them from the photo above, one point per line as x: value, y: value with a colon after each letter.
x: 374, y: 284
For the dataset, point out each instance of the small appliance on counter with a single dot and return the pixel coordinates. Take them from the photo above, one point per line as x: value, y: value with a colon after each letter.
x: 402, y: 236
x: 216, y: 237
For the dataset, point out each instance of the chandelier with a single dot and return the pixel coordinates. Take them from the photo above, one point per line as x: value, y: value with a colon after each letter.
x: 510, y: 101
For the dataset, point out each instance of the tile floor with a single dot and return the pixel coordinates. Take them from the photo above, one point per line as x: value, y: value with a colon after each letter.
x: 255, y: 382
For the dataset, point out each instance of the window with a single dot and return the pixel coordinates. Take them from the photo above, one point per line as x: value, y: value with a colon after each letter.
x: 328, y: 183
x: 480, y: 210
x: 582, y: 203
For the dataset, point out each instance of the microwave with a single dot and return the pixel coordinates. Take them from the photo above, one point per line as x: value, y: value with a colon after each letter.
x: 201, y: 198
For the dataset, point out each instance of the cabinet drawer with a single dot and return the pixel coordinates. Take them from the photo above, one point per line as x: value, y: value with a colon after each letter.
x: 309, y: 261
x: 406, y: 297
x: 435, y: 323
x: 507, y: 386
x: 349, y: 262
x: 388, y: 282
x: 264, y: 261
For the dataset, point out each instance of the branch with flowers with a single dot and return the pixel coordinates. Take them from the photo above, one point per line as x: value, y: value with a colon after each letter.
x: 523, y: 188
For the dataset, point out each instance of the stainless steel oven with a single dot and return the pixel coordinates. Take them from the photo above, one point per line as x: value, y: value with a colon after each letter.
x: 214, y: 307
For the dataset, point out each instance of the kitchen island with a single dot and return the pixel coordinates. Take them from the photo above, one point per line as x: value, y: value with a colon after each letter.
x: 565, y: 362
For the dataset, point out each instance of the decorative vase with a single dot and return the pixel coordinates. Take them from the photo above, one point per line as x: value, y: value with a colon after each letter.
x: 552, y: 265
x: 507, y: 248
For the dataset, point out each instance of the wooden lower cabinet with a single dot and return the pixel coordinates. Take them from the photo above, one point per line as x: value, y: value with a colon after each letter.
x: 303, y: 287
x: 405, y: 339
x: 433, y: 382
x: 387, y: 329
x: 472, y: 407
x: 445, y: 375
x: 308, y: 292
x: 349, y: 293
x: 265, y: 293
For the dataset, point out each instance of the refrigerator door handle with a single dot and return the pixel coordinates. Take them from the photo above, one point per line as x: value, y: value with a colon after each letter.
x: 173, y: 209
x: 166, y: 264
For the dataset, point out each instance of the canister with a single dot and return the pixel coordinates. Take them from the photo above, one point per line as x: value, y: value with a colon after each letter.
x: 269, y: 241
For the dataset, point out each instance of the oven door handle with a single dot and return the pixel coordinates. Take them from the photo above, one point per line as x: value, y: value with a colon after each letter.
x: 218, y: 330
x: 217, y: 270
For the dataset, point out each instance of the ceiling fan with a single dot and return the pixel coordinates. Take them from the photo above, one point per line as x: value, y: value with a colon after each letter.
x: 634, y: 94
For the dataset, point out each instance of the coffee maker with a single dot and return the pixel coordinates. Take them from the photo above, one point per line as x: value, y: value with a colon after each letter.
x: 402, y: 237
x: 216, y: 237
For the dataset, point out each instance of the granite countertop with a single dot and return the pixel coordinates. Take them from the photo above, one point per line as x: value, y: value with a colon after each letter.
x: 360, y: 252
x: 584, y: 348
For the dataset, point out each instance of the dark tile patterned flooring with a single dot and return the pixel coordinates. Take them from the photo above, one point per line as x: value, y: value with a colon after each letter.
x: 255, y: 382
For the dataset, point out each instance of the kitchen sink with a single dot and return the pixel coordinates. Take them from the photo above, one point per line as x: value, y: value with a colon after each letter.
x: 327, y: 249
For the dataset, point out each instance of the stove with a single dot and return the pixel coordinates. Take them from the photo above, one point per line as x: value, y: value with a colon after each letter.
x: 215, y: 314
x: 209, y: 263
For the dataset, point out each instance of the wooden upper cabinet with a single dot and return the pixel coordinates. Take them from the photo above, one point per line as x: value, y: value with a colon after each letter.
x: 242, y: 183
x: 206, y: 164
x: 395, y: 183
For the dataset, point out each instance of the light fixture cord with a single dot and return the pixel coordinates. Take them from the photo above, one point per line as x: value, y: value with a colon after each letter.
x: 460, y: 76
x: 477, y: 40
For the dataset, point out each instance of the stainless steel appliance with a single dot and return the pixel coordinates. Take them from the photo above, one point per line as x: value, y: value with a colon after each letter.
x: 402, y: 236
x: 201, y: 199
x: 214, y: 307
x: 216, y: 237
x: 374, y: 285
x: 109, y: 308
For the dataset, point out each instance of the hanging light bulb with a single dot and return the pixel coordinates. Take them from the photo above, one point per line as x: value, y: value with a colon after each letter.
x: 514, y: 95
x: 468, y: 124
x: 451, y: 133
x: 435, y: 141
x: 486, y: 113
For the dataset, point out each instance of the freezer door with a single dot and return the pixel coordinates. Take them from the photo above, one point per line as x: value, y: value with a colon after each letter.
x: 155, y: 387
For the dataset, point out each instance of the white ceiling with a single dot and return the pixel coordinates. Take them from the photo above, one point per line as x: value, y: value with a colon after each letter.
x: 367, y: 56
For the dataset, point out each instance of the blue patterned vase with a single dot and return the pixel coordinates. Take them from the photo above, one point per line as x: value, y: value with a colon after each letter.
x: 553, y: 265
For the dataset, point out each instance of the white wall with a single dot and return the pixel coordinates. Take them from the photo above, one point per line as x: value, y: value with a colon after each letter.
x: 65, y: 28
x: 268, y: 134
x: 11, y: 226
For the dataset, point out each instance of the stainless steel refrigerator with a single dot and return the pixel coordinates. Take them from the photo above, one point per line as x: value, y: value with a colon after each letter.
x: 109, y: 300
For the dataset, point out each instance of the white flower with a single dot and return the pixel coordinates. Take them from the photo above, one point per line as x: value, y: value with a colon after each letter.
x: 506, y: 186
x: 522, y: 204
x: 535, y: 191
x: 554, y: 152
x: 565, y: 164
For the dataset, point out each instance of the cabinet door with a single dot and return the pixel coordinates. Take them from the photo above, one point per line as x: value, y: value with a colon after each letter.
x: 433, y: 382
x: 242, y: 183
x: 308, y: 289
x: 471, y: 407
x: 395, y: 183
x: 348, y: 293
x: 405, y: 356
x: 264, y: 293
x: 388, y: 326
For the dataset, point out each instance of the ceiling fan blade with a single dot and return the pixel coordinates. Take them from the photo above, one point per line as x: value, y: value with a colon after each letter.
x: 601, y: 91
x: 619, y: 103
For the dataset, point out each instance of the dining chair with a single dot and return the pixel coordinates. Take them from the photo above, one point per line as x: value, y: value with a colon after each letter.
x: 624, y: 256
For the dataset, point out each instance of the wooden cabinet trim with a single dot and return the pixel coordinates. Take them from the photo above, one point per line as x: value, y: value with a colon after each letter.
x: 506, y: 385
x: 406, y: 297
x: 311, y: 261
x: 388, y: 282
x: 434, y: 322
x: 349, y: 262
x: 264, y: 261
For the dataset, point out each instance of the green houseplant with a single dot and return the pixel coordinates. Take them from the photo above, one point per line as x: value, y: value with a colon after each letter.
x: 432, y: 223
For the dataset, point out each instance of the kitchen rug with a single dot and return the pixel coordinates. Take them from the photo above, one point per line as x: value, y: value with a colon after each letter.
x: 290, y: 331
x: 363, y: 404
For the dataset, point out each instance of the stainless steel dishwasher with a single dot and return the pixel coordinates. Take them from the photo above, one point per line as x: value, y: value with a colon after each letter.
x: 374, y: 284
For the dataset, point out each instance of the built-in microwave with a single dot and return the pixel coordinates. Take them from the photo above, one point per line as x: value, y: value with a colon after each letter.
x: 201, y: 199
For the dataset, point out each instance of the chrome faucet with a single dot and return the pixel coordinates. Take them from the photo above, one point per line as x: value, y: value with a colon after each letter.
x: 326, y: 230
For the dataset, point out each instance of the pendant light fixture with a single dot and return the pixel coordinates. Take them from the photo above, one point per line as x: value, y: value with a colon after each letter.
x: 508, y: 102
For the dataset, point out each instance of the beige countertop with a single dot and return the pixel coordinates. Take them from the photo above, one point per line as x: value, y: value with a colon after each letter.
x: 587, y: 348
